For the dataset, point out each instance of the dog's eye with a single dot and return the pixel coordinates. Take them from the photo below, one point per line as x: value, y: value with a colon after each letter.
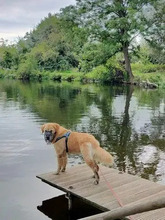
x: 48, y: 131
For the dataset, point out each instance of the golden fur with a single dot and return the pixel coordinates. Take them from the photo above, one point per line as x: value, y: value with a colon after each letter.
x: 83, y: 143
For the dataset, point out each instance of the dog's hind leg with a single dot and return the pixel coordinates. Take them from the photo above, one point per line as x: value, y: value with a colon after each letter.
x: 95, y: 169
x: 87, y: 155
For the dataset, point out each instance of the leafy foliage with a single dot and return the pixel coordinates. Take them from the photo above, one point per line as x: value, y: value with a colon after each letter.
x: 117, y: 22
x: 8, y: 57
x: 89, y: 37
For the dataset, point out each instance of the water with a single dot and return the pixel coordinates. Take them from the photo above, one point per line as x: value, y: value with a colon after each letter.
x: 128, y: 122
x: 57, y: 208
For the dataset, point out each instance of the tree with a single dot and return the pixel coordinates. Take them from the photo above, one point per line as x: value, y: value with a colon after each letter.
x: 51, y: 44
x: 155, y: 33
x: 8, y: 56
x: 115, y: 21
x: 73, y: 34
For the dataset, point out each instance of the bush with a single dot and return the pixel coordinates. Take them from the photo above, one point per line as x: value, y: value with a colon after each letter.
x: 2, y: 73
x: 28, y: 69
x: 116, y: 69
x: 55, y: 76
x: 7, y: 73
x: 95, y: 54
x: 113, y: 70
x: 99, y: 73
x: 153, y: 73
x: 147, y: 68
x: 63, y: 64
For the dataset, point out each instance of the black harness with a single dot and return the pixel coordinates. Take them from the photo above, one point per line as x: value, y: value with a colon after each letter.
x: 66, y: 136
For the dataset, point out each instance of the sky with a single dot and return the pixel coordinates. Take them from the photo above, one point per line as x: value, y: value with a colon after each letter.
x: 17, y: 17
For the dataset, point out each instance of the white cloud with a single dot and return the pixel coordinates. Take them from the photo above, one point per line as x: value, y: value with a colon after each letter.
x: 18, y: 17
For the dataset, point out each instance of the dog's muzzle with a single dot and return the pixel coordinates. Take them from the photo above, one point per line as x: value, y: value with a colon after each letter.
x: 48, y: 136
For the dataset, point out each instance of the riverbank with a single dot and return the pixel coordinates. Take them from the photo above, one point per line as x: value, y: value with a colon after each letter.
x: 149, y: 75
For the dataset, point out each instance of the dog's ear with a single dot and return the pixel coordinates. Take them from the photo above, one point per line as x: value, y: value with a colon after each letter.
x: 56, y: 126
x: 42, y: 128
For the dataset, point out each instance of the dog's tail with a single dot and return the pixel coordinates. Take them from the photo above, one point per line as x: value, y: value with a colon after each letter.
x: 103, y: 156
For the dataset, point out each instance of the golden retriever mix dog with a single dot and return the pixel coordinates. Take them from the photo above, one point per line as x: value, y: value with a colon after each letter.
x: 66, y: 141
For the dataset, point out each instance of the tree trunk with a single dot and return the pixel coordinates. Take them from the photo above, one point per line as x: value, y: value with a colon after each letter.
x: 128, y: 65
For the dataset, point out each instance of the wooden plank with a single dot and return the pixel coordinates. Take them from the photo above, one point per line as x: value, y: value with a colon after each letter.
x: 130, y: 210
x: 155, y: 214
x: 131, y: 190
x: 124, y: 190
x: 131, y: 197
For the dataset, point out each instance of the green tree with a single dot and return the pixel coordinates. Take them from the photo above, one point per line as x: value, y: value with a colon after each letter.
x: 155, y: 19
x: 116, y: 21
x: 75, y: 36
x: 155, y: 33
x: 9, y: 57
x: 51, y: 44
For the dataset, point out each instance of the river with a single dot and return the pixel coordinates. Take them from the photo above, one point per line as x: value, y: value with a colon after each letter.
x: 128, y: 121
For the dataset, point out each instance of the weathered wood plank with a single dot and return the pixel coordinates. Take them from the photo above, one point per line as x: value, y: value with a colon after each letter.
x: 155, y: 214
x: 131, y: 190
x: 130, y: 210
x: 135, y: 198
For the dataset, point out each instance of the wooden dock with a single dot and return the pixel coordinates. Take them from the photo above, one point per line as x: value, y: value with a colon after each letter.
x: 131, y: 190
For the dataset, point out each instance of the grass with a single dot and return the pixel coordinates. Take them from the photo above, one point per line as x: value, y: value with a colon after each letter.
x: 68, y: 75
x: 153, y: 73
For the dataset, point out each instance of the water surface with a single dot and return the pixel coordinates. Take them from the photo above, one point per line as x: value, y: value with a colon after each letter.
x: 129, y: 122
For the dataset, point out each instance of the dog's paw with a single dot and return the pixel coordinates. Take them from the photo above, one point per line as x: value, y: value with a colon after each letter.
x: 96, y: 182
x: 63, y: 170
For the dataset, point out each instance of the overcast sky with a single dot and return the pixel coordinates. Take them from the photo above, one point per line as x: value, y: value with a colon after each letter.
x: 19, y: 16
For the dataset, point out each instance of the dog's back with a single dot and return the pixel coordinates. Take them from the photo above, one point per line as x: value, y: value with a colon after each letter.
x: 89, y: 147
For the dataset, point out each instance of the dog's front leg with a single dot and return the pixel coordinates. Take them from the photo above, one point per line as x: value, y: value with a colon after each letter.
x: 59, y: 148
x: 64, y: 162
x: 60, y: 162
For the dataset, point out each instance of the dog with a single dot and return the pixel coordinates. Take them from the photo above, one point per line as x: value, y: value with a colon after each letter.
x: 66, y: 141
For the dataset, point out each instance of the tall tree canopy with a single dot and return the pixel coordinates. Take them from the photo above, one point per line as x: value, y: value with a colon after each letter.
x: 117, y: 21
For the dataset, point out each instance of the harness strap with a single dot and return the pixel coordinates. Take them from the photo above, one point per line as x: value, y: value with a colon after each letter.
x: 66, y: 136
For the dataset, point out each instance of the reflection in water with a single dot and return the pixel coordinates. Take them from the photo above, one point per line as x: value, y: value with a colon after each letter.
x: 129, y: 122
x: 57, y: 209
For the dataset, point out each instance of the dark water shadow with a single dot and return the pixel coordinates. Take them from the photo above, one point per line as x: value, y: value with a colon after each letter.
x: 57, y: 208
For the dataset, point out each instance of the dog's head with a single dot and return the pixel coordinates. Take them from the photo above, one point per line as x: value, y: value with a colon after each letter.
x: 49, y: 130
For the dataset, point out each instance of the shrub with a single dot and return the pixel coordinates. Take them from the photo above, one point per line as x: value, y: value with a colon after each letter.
x: 95, y: 54
x: 147, y: 68
x: 2, y: 73
x: 113, y: 70
x: 99, y: 73
x: 28, y: 69
x: 7, y: 73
